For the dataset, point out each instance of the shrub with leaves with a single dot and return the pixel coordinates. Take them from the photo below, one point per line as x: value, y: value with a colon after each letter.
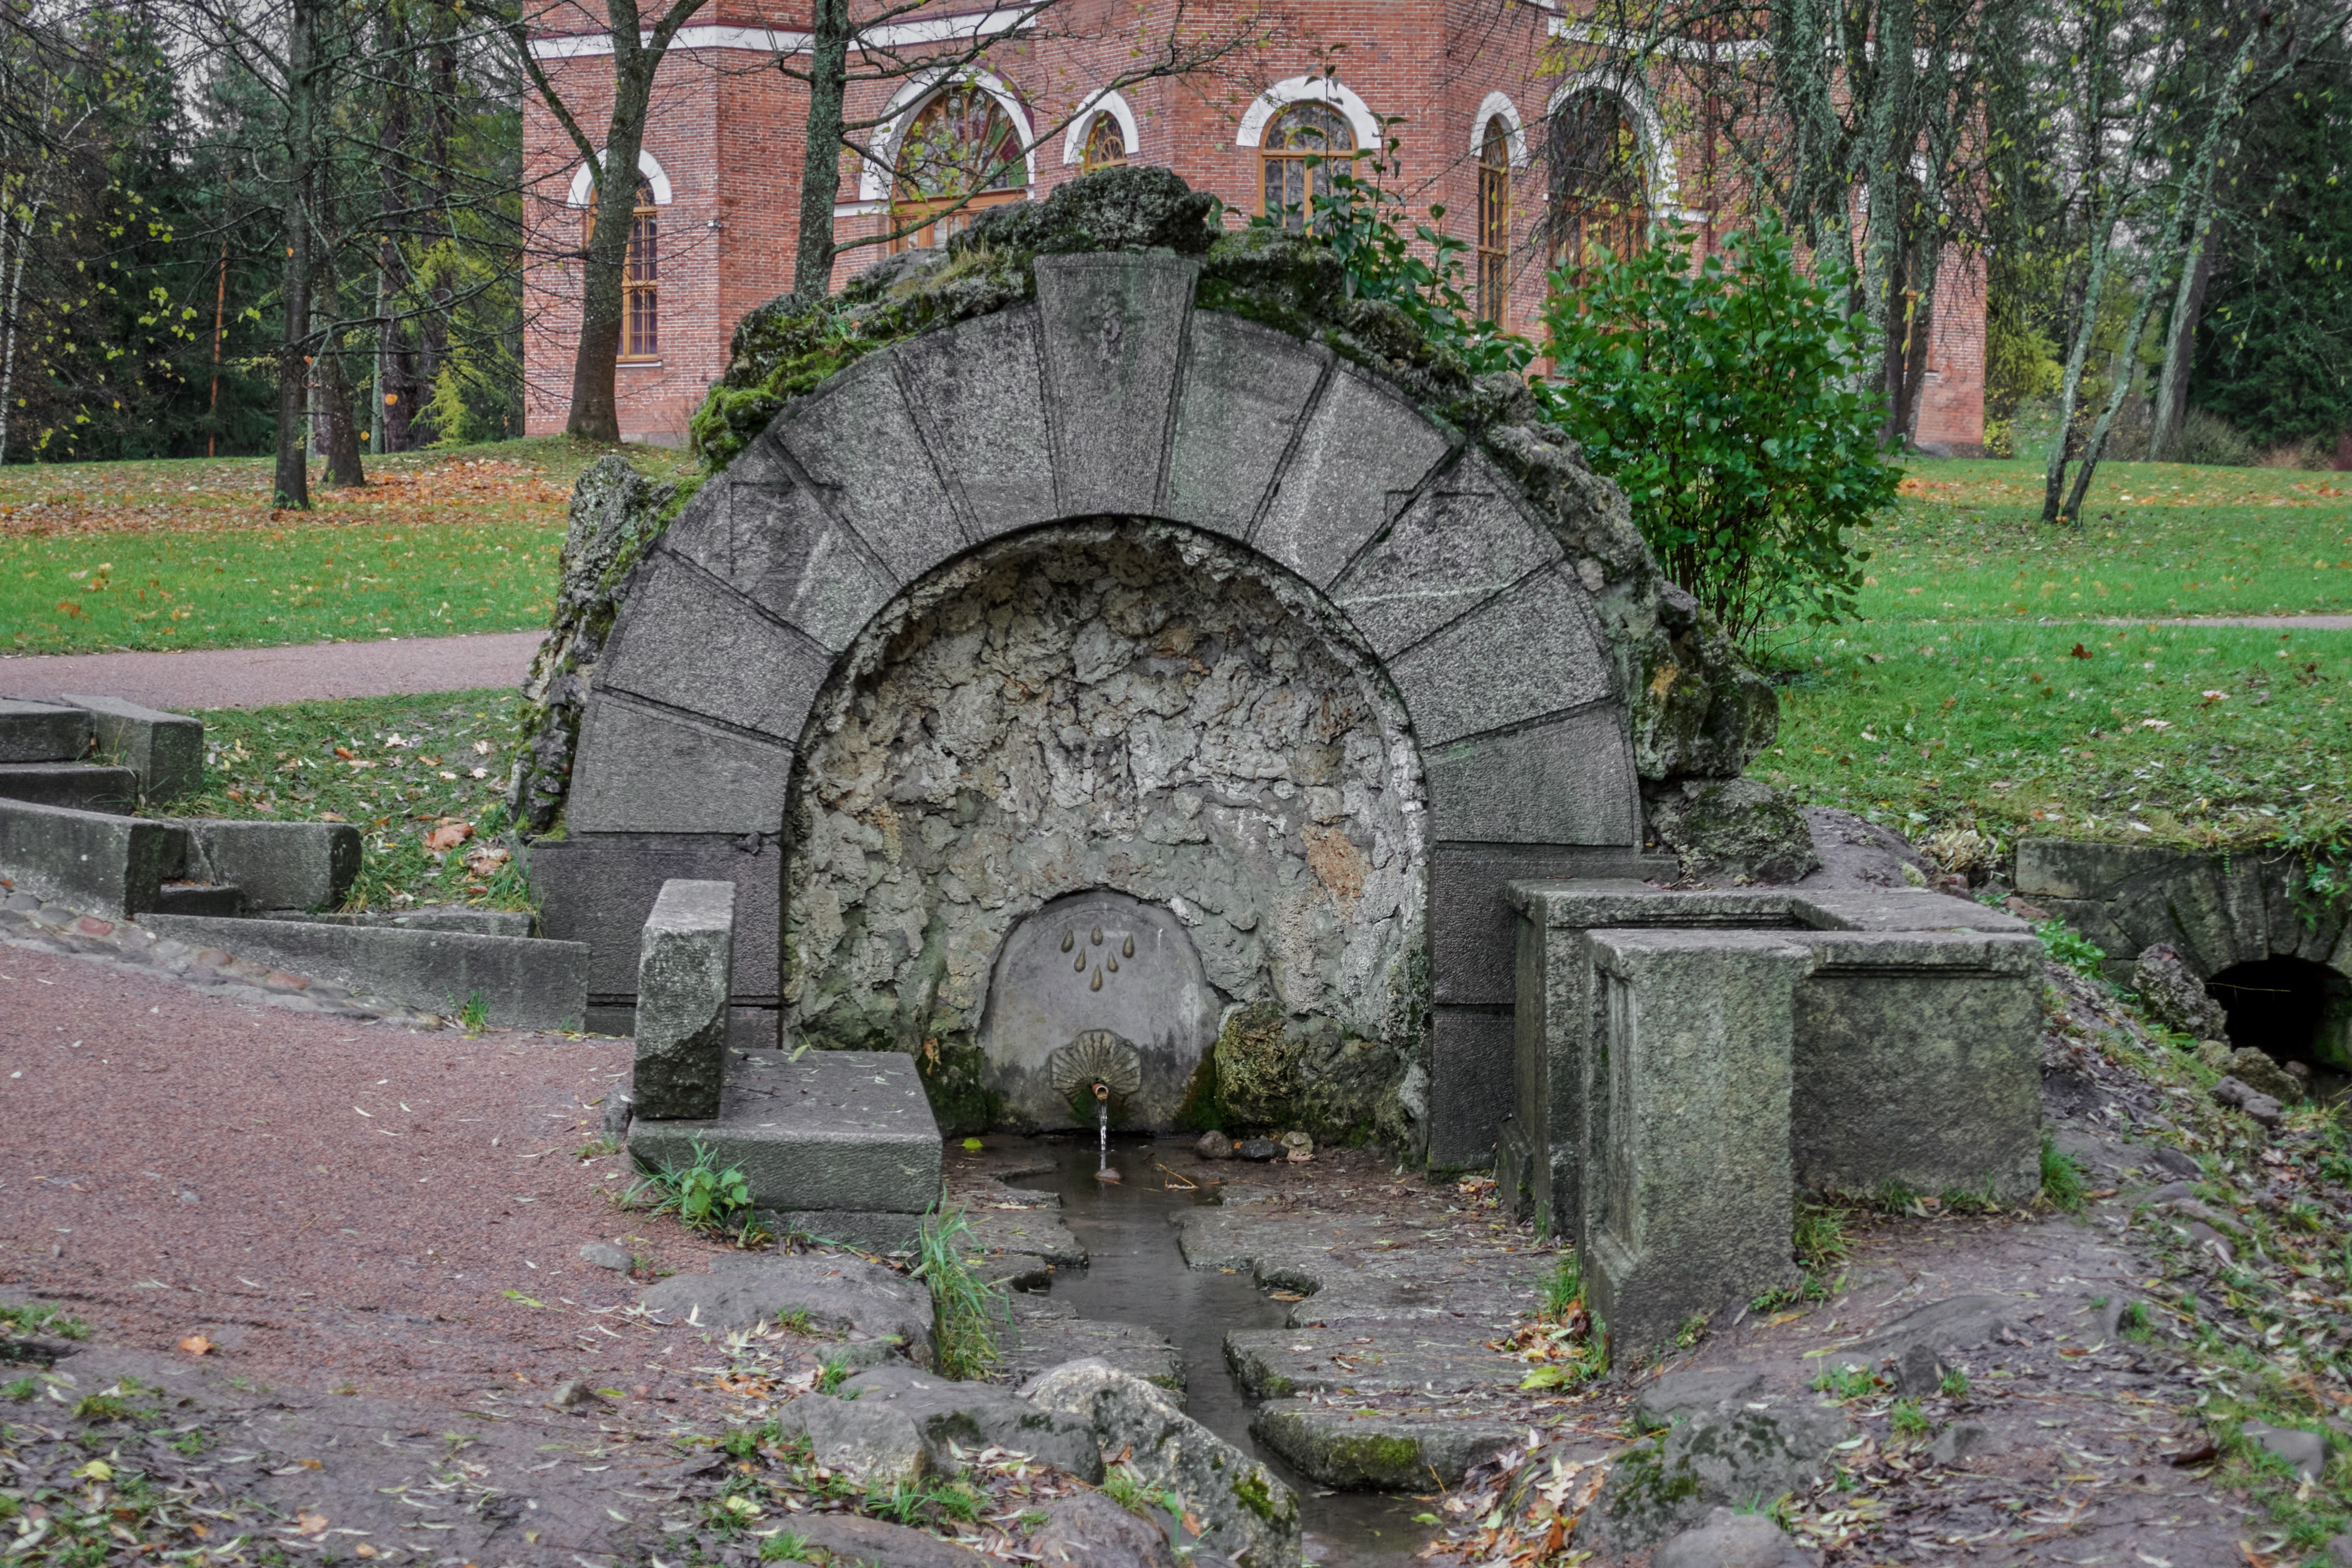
x: 1722, y: 397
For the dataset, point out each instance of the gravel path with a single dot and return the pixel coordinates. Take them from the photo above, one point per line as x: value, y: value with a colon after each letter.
x: 264, y: 677
x: 334, y: 1204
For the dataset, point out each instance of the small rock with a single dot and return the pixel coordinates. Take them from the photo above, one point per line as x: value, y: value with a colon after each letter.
x: 2205, y: 1236
x: 1919, y: 1371
x: 2340, y: 1552
x: 2170, y: 1191
x: 1300, y: 1146
x: 1259, y: 1148
x: 1956, y: 1324
x: 2174, y: 994
x: 945, y: 1414
x: 2190, y: 1208
x: 619, y: 1108
x: 1088, y: 1528
x: 2214, y: 1053
x: 90, y: 925
x: 1729, y: 1539
x: 2179, y: 1162
x: 572, y: 1393
x: 605, y: 1254
x: 1691, y: 1391
x: 836, y: 1291
x: 853, y: 1538
x: 1958, y: 1441
x: 2236, y: 1092
x: 2260, y: 1073
x: 2306, y: 1451
x: 1246, y: 1512
x: 1214, y: 1146
x: 1725, y: 1457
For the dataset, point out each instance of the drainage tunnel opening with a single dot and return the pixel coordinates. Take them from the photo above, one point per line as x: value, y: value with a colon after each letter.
x: 2289, y: 1008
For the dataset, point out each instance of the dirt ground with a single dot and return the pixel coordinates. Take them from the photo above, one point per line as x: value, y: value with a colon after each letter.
x: 346, y: 1257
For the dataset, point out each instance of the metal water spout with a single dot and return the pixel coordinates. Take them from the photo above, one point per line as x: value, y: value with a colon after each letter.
x: 1103, y: 1173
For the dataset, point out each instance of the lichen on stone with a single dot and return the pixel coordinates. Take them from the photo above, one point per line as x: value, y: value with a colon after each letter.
x: 617, y: 514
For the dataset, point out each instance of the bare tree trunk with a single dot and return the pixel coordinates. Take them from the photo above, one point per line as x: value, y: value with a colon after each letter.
x: 821, y: 162
x: 339, y: 428
x: 1888, y: 172
x: 2171, y: 410
x: 8, y: 315
x: 304, y: 80
x: 2116, y: 394
x: 2070, y: 388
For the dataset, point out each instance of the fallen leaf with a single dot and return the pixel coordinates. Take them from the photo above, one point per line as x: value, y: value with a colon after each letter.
x: 448, y: 836
x: 310, y: 1523
x: 196, y: 1345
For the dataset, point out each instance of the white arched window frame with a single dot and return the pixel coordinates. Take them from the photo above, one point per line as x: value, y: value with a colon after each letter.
x: 876, y: 173
x: 1099, y: 102
x: 1309, y: 90
x: 649, y: 169
x: 1658, y: 149
x: 1497, y: 107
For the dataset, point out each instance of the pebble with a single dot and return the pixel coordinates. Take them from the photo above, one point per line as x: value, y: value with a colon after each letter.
x: 1260, y: 1148
x: 2306, y: 1451
x: 1214, y: 1146
x: 605, y: 1255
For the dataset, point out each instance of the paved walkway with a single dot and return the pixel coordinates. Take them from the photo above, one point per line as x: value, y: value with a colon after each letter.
x: 2292, y: 623
x: 265, y: 677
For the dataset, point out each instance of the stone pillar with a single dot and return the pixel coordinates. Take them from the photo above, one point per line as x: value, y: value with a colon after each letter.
x: 1689, y: 1192
x: 684, y: 968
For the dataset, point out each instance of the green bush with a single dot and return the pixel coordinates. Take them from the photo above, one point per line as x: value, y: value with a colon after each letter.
x: 1722, y: 397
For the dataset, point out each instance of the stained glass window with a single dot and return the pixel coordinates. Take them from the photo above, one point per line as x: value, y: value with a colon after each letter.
x: 961, y: 145
x: 1105, y: 143
x: 1298, y: 150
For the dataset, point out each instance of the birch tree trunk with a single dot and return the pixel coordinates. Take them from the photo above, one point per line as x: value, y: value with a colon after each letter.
x: 304, y: 78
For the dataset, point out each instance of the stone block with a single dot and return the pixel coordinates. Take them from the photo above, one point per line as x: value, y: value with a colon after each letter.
x: 869, y: 1230
x: 858, y: 443
x: 96, y: 862
x: 2063, y: 869
x: 766, y: 535
x: 1462, y: 542
x: 841, y: 1130
x: 1898, y: 908
x: 524, y: 982
x: 598, y: 889
x: 643, y: 769
x: 1112, y: 327
x: 687, y: 641
x: 1569, y: 781
x: 80, y: 785
x: 1473, y: 937
x: 682, y: 987
x: 1246, y: 389
x: 34, y: 732
x: 1471, y: 1055
x: 277, y: 865
x: 166, y: 750
x: 1534, y: 651
x: 975, y: 388
x: 198, y: 899
x: 1104, y: 976
x: 1365, y: 452
x: 1690, y: 1192
x: 1917, y: 1062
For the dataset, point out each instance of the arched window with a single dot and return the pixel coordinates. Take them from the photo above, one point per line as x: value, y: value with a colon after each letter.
x: 640, y: 277
x: 1299, y: 149
x: 961, y: 144
x: 1494, y: 220
x: 1599, y: 198
x: 1105, y: 143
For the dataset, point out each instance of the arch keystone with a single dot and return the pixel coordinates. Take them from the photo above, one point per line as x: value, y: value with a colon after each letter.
x: 1113, y: 331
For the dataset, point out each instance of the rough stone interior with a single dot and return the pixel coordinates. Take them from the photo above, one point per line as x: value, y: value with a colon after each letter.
x: 1126, y: 707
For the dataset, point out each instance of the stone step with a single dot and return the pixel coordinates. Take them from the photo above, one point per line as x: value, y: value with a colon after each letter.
x: 199, y: 899
x: 41, y: 732
x: 1040, y: 1338
x: 79, y: 785
x: 1283, y: 1363
x: 836, y: 1133
x: 1355, y: 1447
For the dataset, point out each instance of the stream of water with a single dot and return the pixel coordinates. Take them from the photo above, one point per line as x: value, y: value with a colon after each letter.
x: 1138, y: 1276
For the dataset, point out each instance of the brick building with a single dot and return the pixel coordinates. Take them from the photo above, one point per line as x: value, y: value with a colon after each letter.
x: 1488, y: 100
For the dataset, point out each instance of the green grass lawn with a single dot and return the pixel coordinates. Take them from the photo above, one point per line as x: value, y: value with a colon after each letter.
x: 400, y: 767
x: 1986, y: 684
x: 190, y: 554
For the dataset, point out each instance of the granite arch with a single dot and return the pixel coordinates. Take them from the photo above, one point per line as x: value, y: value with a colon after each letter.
x: 1111, y: 397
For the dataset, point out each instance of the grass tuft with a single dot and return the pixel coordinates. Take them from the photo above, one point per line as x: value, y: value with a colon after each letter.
x: 967, y: 1311
x: 2061, y: 1179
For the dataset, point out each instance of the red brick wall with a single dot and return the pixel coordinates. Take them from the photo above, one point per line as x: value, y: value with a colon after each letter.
x: 726, y: 128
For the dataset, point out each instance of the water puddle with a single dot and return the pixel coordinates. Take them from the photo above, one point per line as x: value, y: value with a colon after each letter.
x: 1138, y: 1276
